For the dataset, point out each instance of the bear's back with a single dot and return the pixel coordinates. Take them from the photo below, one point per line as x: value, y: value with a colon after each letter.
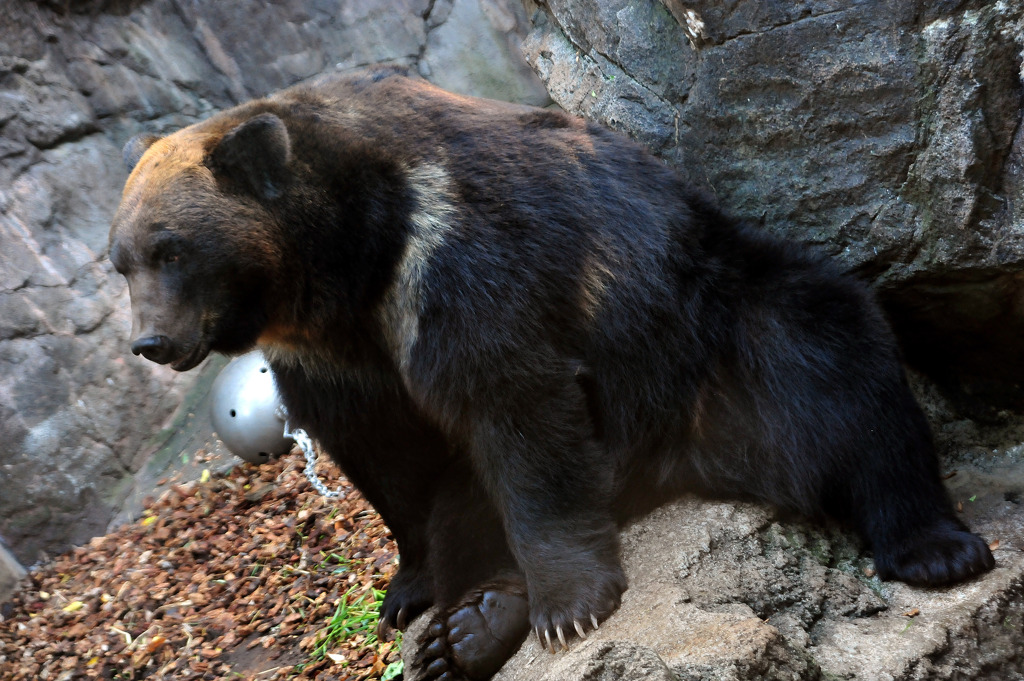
x: 539, y: 163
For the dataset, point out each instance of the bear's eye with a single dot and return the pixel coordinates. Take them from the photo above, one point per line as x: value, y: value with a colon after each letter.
x: 167, y: 251
x: 165, y: 256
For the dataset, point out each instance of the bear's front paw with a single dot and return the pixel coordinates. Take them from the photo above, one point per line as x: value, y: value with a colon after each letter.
x: 578, y: 607
x: 472, y: 640
x: 409, y: 595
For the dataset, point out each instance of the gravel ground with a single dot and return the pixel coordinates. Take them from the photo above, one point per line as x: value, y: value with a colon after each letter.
x: 237, y: 575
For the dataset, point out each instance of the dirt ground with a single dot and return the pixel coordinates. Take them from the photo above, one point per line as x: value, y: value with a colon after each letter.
x: 244, y: 574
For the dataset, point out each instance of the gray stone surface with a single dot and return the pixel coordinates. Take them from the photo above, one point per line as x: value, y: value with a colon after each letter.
x: 10, y: 572
x: 474, y: 46
x: 887, y: 133
x: 86, y: 428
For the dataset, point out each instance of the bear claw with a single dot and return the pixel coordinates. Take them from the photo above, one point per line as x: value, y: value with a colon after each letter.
x: 408, y: 596
x: 548, y: 641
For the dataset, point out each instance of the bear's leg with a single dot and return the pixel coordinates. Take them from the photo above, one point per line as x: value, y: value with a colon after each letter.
x: 393, y: 459
x: 916, y: 536
x: 554, y: 486
x: 531, y: 437
x: 864, y: 458
x: 400, y: 490
x: 914, y: 531
x: 483, y: 613
x: 896, y: 498
x: 941, y: 552
x: 401, y: 502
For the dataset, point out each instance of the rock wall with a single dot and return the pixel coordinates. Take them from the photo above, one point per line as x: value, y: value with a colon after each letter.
x: 80, y: 418
x: 887, y: 133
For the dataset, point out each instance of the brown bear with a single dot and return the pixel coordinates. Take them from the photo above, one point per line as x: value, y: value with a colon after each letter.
x: 514, y: 330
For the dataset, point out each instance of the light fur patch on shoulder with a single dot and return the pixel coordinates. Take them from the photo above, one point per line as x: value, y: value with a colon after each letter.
x: 595, y: 278
x: 317, y: 363
x: 431, y: 220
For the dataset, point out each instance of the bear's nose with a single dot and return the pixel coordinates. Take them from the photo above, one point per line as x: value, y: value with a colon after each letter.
x: 154, y: 348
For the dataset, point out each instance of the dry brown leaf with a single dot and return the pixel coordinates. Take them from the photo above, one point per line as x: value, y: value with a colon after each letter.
x: 156, y: 643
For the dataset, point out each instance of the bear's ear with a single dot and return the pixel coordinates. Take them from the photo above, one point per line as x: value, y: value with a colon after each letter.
x: 256, y: 154
x: 135, y: 148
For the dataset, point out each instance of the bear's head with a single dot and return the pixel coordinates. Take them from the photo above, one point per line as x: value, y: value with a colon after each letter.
x: 194, y: 236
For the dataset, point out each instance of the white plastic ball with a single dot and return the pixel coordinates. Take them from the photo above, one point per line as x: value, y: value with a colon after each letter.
x: 246, y: 410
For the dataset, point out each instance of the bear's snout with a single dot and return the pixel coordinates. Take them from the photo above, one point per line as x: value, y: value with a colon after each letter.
x: 154, y: 348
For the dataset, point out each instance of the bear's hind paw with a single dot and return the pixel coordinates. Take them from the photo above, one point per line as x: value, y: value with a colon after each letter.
x: 943, y: 554
x: 472, y: 640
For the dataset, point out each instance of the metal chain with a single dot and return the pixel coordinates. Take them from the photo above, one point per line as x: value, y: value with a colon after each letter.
x: 306, y: 444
